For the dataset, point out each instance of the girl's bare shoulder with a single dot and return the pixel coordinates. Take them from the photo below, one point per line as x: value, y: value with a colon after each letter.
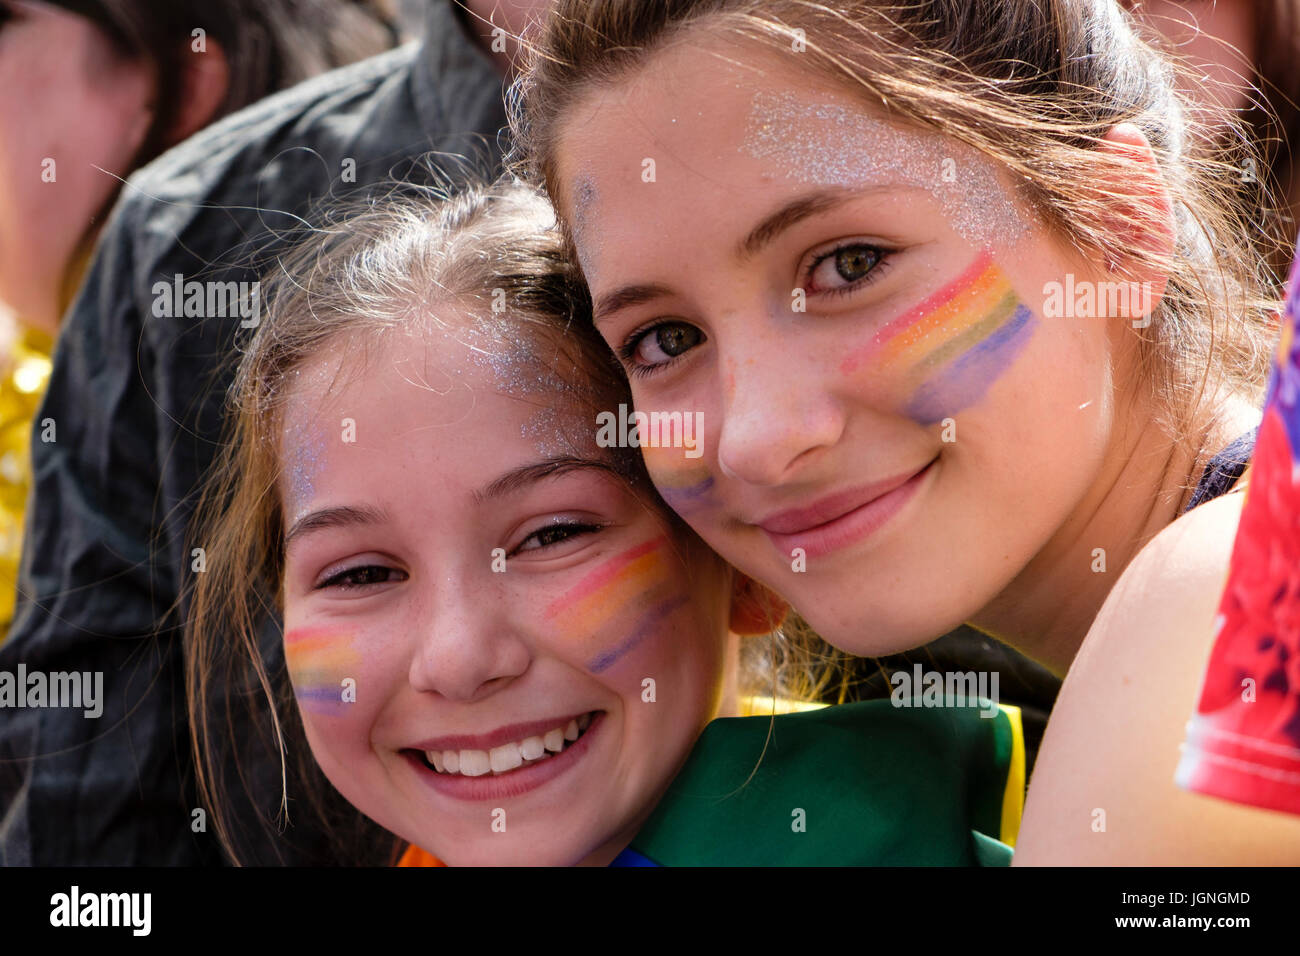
x: 1103, y: 789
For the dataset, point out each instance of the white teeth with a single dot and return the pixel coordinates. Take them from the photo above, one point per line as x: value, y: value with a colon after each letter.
x: 474, y: 763
x: 506, y: 757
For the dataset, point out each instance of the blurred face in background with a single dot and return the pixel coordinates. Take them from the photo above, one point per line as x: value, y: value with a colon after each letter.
x: 1217, y: 37
x: 69, y: 102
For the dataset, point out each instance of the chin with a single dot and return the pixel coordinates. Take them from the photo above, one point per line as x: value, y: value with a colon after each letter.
x: 874, y: 632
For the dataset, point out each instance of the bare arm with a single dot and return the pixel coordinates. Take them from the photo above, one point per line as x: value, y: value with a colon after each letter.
x: 1112, y: 744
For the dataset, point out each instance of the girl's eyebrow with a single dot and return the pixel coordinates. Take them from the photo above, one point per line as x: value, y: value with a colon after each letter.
x: 626, y: 297
x: 339, y: 517
x: 772, y: 225
x: 794, y: 211
x: 799, y: 209
x: 517, y: 478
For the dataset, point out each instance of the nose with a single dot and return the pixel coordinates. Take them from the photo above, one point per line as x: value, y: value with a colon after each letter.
x: 466, y: 647
x: 776, y: 414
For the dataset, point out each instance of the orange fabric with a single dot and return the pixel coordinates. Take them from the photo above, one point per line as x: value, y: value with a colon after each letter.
x: 414, y: 856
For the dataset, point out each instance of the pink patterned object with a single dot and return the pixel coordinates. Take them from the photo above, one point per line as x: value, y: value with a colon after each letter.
x: 1243, y: 742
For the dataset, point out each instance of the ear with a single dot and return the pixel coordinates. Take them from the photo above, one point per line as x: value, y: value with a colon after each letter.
x: 754, y: 609
x: 204, y: 80
x: 1142, y: 214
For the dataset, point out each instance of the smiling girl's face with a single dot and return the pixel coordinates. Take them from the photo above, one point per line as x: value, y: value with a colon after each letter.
x: 893, y: 431
x: 462, y: 600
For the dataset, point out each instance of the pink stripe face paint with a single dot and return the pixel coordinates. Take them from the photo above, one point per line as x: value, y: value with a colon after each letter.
x: 949, y: 349
x: 319, y: 659
x: 620, y: 603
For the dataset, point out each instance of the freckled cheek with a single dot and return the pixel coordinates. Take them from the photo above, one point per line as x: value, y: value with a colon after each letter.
x: 875, y: 386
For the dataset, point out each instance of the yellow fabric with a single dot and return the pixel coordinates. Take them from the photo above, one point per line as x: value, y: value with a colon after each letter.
x: 1013, y: 798
x: 757, y: 706
x: 26, y: 372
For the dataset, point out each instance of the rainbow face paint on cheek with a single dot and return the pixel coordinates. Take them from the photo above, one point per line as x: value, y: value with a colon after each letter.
x: 622, y: 603
x: 319, y: 660
x: 948, y: 350
x: 684, y: 483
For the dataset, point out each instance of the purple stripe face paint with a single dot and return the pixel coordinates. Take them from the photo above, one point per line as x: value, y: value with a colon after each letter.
x: 319, y: 660
x: 684, y: 483
x: 947, y: 351
x: 964, y: 382
x: 647, y: 626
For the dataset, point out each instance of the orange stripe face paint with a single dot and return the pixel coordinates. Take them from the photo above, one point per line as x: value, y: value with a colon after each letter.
x: 319, y: 659
x: 620, y: 603
x: 950, y: 348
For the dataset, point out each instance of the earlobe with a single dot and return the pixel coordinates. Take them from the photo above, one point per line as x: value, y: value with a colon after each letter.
x: 754, y: 609
x: 1141, y: 214
x: 204, y: 81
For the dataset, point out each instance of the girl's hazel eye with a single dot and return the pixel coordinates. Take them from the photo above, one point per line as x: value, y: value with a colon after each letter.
x: 661, y: 344
x: 848, y: 264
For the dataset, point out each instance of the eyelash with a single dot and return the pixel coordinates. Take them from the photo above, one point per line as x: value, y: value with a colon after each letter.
x: 627, y: 351
x: 338, y: 582
x: 575, y: 529
x: 882, y: 265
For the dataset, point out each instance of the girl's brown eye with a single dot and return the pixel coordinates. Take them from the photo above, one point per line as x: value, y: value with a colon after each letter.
x: 556, y: 533
x: 676, y: 339
x: 854, y: 262
x: 364, y: 576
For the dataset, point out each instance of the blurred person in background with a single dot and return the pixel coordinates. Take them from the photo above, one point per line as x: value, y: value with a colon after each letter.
x: 138, y: 399
x: 1244, y: 64
x: 89, y: 91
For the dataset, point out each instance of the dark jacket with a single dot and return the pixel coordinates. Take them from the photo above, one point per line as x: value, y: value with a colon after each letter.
x: 137, y: 401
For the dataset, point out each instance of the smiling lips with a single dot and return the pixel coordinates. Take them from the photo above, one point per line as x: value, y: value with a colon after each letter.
x: 470, y: 762
x: 841, y: 519
x: 508, y: 762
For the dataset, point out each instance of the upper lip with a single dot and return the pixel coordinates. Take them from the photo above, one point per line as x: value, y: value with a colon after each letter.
x: 832, y: 506
x: 495, y: 738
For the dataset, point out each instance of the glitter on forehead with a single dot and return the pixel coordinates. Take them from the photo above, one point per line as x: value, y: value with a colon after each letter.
x: 521, y: 373
x: 830, y: 144
x: 305, y: 451
x: 584, y: 201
